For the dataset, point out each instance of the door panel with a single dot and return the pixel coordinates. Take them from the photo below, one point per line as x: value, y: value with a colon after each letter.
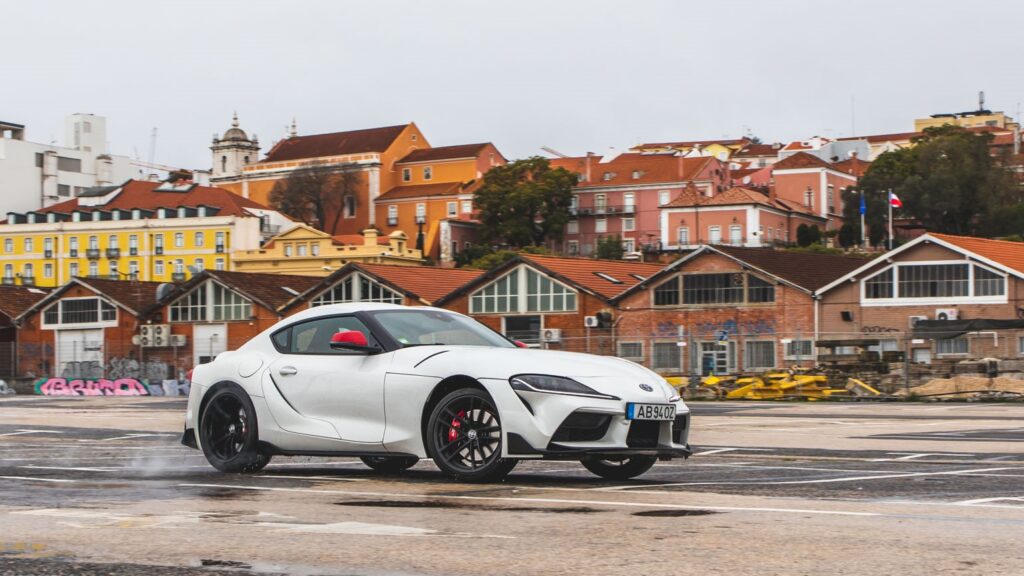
x: 343, y: 388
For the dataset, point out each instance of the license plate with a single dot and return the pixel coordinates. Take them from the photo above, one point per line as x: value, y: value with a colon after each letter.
x: 650, y: 411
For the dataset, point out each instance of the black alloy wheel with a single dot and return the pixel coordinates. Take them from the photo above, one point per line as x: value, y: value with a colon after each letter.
x: 390, y: 464
x: 622, y: 468
x: 464, y: 437
x: 228, y: 432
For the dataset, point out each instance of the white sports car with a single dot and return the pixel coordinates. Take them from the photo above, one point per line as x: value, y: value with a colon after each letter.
x: 393, y: 384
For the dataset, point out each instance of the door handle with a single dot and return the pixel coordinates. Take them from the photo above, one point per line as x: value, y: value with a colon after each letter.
x: 287, y: 371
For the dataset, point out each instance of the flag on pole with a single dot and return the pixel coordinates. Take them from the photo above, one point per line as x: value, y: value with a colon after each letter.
x: 894, y: 200
x: 863, y: 207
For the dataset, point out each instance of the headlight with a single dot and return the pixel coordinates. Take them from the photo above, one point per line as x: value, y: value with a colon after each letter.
x: 554, y: 385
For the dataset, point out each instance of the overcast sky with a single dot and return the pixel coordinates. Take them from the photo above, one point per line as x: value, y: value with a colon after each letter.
x: 572, y: 75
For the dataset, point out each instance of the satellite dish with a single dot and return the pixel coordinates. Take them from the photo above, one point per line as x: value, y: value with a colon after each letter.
x: 163, y: 290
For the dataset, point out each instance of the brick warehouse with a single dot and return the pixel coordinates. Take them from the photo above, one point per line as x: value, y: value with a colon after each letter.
x: 546, y: 300
x: 723, y: 309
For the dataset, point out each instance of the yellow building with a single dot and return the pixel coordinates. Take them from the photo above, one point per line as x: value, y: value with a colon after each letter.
x: 151, y: 231
x: 975, y: 119
x: 721, y: 149
x: 306, y: 251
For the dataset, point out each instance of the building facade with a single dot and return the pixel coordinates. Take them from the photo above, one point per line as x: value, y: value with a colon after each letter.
x: 307, y: 251
x: 34, y: 175
x: 144, y: 230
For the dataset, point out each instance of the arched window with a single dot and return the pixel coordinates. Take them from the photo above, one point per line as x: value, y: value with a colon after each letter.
x: 223, y: 163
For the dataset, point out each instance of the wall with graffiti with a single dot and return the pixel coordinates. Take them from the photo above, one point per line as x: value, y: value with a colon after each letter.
x: 60, y: 386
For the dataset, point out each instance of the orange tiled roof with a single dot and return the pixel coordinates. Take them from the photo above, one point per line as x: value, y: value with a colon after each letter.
x: 142, y: 194
x: 692, y: 143
x: 444, y: 153
x: 429, y: 283
x: 270, y: 290
x: 1009, y: 254
x: 854, y: 166
x: 421, y: 191
x: 650, y: 168
x: 334, y: 144
x: 583, y: 272
x: 737, y: 196
x: 757, y: 150
x: 800, y: 160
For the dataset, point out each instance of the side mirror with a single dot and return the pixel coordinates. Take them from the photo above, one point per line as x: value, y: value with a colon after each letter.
x: 520, y: 344
x: 353, y: 340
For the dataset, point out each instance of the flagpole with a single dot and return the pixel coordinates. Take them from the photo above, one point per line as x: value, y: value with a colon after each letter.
x: 889, y: 202
x: 863, y: 235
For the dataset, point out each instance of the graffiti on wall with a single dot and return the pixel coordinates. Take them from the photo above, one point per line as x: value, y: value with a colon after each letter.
x: 59, y: 386
x: 132, y: 368
x: 90, y: 387
x: 746, y: 328
x: 878, y: 329
x: 85, y: 369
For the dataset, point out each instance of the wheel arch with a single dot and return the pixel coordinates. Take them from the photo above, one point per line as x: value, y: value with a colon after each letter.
x: 442, y: 389
x: 206, y: 400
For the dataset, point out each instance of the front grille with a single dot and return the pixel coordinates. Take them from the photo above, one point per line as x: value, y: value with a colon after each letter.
x: 582, y: 427
x: 679, y: 426
x: 643, y: 434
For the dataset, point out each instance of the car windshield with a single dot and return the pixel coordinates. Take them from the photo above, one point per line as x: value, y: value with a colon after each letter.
x: 435, y: 328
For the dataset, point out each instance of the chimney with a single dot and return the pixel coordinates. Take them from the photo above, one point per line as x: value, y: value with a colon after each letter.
x: 586, y: 170
x: 370, y: 237
x: 201, y: 177
x: 397, y: 241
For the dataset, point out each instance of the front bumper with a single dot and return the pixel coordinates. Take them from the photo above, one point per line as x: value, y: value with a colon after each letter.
x: 518, y: 447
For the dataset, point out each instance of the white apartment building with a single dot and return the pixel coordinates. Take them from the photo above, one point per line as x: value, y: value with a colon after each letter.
x: 34, y: 175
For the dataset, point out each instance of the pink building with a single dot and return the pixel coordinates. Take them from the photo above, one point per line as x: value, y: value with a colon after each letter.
x: 738, y: 216
x: 816, y: 185
x: 623, y: 195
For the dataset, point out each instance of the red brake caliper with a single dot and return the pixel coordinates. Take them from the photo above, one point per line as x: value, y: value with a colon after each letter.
x: 453, y: 432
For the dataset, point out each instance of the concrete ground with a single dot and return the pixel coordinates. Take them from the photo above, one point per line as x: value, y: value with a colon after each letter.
x: 100, y: 486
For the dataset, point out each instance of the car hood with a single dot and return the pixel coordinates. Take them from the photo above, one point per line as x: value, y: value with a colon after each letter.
x: 503, y: 363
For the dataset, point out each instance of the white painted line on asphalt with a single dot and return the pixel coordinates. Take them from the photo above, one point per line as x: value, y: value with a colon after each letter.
x: 134, y: 436
x: 290, y: 477
x: 74, y: 469
x: 572, y: 501
x: 915, y: 456
x: 31, y: 479
x: 22, y: 432
x: 720, y: 450
x: 815, y: 481
x: 978, y: 501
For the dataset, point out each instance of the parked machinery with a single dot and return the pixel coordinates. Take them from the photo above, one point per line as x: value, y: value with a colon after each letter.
x: 795, y: 383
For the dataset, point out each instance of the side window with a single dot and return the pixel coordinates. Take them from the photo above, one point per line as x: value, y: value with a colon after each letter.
x: 314, y: 336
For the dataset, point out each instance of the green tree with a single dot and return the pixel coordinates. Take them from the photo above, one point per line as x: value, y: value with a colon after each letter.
x: 609, y: 248
x: 493, y: 259
x: 524, y: 203
x: 807, y: 234
x: 948, y: 181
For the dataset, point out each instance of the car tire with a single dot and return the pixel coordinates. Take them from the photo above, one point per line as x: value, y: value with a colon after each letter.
x: 464, y: 437
x: 619, y: 469
x: 229, y: 434
x: 390, y: 464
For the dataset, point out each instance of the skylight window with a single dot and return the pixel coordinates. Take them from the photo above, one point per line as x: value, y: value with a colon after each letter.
x: 607, y: 277
x: 639, y: 277
x: 289, y: 290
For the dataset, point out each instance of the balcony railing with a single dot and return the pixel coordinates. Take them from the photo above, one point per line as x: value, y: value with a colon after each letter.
x: 114, y: 276
x: 159, y: 250
x: 113, y: 253
x: 392, y: 221
x: 28, y: 280
x: 133, y: 251
x: 600, y: 210
x: 178, y: 277
x: 92, y: 253
x: 73, y: 253
x: 47, y: 253
x: 7, y: 280
x: 220, y: 249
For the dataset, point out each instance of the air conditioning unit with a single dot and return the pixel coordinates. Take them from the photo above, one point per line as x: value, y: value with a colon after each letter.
x: 946, y: 313
x: 178, y: 339
x: 591, y: 321
x: 155, y: 335
x: 551, y: 335
x: 913, y: 320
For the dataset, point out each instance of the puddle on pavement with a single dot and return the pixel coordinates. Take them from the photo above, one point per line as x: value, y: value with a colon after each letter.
x: 464, y: 506
x: 226, y: 494
x: 208, y: 563
x: 673, y: 513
